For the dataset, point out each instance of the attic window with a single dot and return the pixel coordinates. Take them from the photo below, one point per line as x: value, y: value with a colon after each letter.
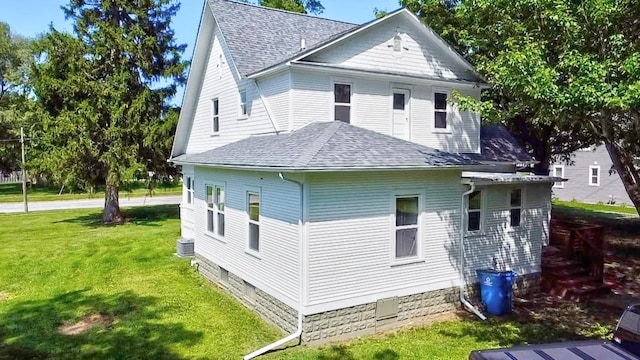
x: 397, y: 43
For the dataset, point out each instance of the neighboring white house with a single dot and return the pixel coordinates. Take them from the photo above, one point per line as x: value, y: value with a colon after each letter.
x: 589, y: 178
x: 331, y: 184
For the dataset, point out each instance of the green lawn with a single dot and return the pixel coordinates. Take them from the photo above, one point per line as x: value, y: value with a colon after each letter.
x: 13, y: 192
x: 594, y: 208
x: 57, y: 268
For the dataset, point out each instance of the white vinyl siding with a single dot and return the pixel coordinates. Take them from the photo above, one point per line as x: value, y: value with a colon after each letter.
x: 352, y: 232
x: 186, y: 208
x: 277, y: 270
x: 510, y: 248
x: 275, y: 89
x: 373, y: 50
x: 224, y: 84
x: 313, y: 101
x: 594, y: 175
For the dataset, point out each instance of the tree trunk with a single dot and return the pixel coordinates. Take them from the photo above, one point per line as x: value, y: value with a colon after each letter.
x: 622, y: 162
x: 111, y: 213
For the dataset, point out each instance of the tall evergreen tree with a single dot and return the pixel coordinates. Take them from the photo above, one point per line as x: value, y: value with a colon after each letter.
x: 105, y: 88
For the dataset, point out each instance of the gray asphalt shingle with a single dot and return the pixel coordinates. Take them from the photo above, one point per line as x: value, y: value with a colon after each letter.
x: 326, y: 146
x: 259, y: 37
x: 497, y: 143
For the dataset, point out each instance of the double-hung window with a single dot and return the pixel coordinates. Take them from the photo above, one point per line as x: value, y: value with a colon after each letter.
x: 558, y: 171
x: 210, y: 210
x: 515, y: 207
x: 242, y: 111
x: 218, y: 209
x: 253, y: 214
x: 407, y: 210
x: 215, y: 116
x: 440, y: 112
x: 342, y: 102
x: 474, y: 211
x: 594, y: 175
x: 188, y: 183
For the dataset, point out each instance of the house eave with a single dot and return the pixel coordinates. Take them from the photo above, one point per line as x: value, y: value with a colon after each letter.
x: 379, y: 74
x: 293, y: 169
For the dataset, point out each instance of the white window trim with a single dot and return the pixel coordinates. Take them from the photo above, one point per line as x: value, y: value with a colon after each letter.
x: 591, y: 167
x: 208, y: 209
x: 241, y: 115
x: 449, y: 111
x: 189, y: 189
x: 419, y: 236
x: 213, y: 234
x: 216, y: 210
x: 521, y: 207
x: 248, y: 221
x: 213, y: 116
x: 559, y: 184
x: 398, y: 87
x: 482, y: 210
x: 351, y: 105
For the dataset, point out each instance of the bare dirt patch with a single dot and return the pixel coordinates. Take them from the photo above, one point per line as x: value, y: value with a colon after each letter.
x: 3, y: 295
x: 86, y: 324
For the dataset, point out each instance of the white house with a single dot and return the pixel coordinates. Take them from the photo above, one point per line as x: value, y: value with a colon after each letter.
x: 331, y: 185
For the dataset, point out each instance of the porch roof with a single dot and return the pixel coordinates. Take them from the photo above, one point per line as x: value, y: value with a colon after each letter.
x: 491, y: 178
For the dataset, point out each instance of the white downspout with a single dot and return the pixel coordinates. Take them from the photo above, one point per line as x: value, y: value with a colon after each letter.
x: 267, y: 107
x: 298, y: 331
x: 463, y: 300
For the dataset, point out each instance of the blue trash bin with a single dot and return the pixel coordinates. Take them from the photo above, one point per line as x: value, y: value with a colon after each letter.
x: 496, y: 290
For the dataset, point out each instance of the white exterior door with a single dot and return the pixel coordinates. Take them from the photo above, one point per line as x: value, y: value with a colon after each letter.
x: 401, y: 113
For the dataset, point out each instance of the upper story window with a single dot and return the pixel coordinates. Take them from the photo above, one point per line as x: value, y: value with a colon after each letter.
x: 474, y: 211
x: 215, y: 116
x: 342, y: 102
x: 406, y: 226
x: 253, y: 212
x: 189, y: 185
x: 594, y: 175
x: 558, y: 171
x: 440, y: 112
x: 242, y: 111
x: 515, y: 207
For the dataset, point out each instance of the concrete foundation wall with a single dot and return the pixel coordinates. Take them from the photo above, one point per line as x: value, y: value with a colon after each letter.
x: 353, y: 321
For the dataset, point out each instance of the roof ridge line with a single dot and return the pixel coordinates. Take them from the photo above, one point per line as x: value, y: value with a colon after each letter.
x: 286, y: 11
x: 318, y: 143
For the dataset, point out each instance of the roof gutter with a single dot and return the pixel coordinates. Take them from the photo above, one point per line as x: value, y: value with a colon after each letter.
x: 298, y: 332
x: 463, y: 300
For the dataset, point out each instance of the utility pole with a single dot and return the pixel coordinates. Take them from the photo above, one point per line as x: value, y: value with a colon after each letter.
x: 24, y: 173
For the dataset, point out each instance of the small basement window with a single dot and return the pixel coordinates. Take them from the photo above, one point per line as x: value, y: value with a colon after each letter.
x: 224, y: 276
x: 249, y: 291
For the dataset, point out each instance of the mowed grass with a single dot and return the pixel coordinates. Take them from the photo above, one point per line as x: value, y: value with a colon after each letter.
x: 13, y: 192
x: 60, y: 268
x: 594, y: 208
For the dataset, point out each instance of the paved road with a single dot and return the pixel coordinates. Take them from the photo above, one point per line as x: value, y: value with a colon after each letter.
x: 88, y: 204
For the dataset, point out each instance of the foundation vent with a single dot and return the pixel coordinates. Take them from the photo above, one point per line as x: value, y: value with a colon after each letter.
x: 387, y: 308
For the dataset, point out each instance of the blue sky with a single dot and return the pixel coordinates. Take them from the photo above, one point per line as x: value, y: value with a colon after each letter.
x: 32, y: 17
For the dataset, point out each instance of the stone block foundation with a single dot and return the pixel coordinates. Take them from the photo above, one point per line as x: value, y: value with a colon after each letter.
x: 353, y: 321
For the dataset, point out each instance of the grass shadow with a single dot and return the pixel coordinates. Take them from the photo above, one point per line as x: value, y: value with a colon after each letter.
x: 142, y: 215
x: 618, y: 223
x: 30, y: 329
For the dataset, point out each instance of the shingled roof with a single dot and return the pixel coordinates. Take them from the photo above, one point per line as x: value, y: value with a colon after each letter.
x: 326, y: 146
x: 497, y: 144
x: 260, y: 37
